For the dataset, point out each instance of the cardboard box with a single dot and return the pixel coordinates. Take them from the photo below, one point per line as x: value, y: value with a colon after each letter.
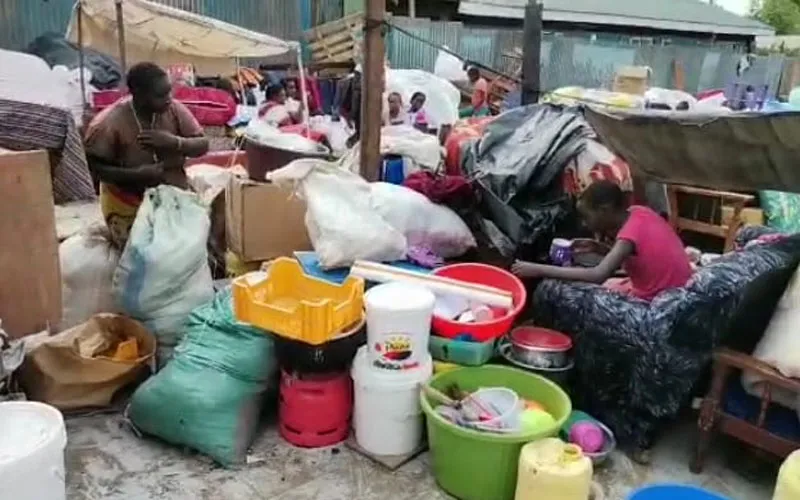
x: 751, y: 216
x: 264, y: 221
x: 30, y: 288
x: 632, y: 80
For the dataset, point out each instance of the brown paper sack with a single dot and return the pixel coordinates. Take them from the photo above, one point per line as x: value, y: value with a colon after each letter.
x: 84, y: 367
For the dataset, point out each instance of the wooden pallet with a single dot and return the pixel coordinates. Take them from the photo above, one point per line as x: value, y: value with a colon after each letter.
x: 337, y: 41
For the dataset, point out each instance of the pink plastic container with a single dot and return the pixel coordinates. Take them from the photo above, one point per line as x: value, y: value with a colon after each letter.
x: 485, y: 275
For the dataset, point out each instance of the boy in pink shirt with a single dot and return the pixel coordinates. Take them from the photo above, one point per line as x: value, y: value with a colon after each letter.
x: 645, y: 246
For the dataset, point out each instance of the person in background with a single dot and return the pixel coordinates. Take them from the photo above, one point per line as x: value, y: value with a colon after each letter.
x: 294, y: 101
x: 139, y: 142
x: 480, y: 95
x: 274, y: 110
x: 417, y: 117
x: 644, y: 245
x: 395, y: 114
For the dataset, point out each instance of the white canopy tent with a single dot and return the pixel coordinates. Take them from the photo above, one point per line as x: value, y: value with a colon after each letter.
x: 166, y: 35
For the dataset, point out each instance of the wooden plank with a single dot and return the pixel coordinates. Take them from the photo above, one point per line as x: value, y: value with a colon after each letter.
x: 30, y: 291
x: 331, y: 40
x: 323, y: 30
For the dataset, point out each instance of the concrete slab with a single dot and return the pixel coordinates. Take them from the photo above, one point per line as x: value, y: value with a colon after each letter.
x: 105, y: 460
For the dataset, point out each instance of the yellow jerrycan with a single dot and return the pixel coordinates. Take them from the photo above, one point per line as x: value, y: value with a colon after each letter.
x: 788, y: 485
x: 554, y: 470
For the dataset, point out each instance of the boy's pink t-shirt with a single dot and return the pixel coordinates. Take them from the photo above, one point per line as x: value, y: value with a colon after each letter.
x: 660, y: 261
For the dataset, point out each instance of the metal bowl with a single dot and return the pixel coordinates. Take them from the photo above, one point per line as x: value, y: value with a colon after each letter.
x: 539, y: 358
x: 540, y: 347
x: 560, y: 375
x: 600, y: 457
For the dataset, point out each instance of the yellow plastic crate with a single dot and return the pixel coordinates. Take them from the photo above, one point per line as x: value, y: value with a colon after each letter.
x: 296, y: 306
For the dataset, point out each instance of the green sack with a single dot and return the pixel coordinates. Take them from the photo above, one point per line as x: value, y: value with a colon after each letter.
x: 782, y: 210
x: 210, y: 395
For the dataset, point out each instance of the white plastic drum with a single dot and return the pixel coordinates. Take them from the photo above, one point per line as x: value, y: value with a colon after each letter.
x: 32, y: 442
x: 398, y: 325
x: 387, y: 416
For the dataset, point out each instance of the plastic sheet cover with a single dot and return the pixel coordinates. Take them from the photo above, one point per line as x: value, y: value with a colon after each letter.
x: 746, y: 151
x: 518, y: 166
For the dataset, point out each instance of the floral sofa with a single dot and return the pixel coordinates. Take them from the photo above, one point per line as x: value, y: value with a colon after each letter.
x: 636, y: 362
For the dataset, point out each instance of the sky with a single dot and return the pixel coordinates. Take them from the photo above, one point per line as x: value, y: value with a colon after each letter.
x: 740, y: 7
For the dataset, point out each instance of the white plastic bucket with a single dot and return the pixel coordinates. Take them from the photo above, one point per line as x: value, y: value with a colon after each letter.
x: 32, y: 442
x: 398, y: 325
x: 387, y: 416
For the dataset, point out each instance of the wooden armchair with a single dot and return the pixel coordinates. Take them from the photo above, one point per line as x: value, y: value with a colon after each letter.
x: 713, y: 418
x: 715, y: 225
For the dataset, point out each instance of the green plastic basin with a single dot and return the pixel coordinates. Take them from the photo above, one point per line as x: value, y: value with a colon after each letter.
x: 475, y: 465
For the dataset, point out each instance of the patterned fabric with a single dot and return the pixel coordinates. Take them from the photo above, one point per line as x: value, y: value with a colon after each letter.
x: 25, y: 126
x: 637, y: 362
x: 782, y: 210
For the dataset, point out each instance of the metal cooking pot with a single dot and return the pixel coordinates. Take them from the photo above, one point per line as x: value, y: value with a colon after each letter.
x: 540, y: 347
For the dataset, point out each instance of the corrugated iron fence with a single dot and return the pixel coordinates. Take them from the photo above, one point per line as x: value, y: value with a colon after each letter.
x: 580, y: 58
x: 23, y: 20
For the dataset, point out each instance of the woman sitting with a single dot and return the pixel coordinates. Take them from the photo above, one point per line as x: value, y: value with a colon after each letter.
x: 645, y: 247
x: 395, y: 114
x: 275, y: 110
x: 140, y: 141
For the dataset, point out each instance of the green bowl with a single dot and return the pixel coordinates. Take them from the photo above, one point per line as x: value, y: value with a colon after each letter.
x: 475, y: 465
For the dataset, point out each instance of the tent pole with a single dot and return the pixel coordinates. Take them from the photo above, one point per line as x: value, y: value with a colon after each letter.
x: 81, y: 54
x: 121, y: 36
x: 532, y: 53
x: 372, y: 86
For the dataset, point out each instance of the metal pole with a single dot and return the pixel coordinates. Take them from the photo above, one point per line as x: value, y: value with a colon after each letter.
x: 532, y: 53
x: 123, y: 59
x: 412, y: 8
x: 372, y: 90
x: 81, y: 54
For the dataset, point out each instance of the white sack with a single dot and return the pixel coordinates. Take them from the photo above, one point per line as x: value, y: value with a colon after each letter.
x: 780, y: 346
x: 423, y: 222
x: 341, y: 223
x: 209, y: 180
x: 163, y: 273
x: 88, y: 261
x: 408, y: 142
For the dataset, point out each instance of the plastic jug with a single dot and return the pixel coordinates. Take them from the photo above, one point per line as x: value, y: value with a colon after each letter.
x: 788, y: 486
x: 554, y: 470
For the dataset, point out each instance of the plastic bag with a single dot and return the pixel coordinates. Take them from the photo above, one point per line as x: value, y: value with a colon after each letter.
x: 163, y: 273
x: 449, y: 67
x: 670, y: 97
x: 423, y: 222
x: 341, y: 222
x: 443, y: 98
x: 780, y: 347
x: 87, y: 261
x: 209, y: 396
x: 408, y: 142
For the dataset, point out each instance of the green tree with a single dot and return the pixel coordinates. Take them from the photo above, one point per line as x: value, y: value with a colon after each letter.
x: 783, y: 15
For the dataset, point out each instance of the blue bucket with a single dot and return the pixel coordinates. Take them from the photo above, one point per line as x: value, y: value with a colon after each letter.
x: 673, y: 492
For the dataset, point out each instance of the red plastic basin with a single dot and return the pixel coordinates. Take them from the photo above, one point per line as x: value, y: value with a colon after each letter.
x: 485, y: 275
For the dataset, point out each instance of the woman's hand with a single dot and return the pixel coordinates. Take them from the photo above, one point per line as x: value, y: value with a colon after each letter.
x: 527, y: 270
x: 158, y: 139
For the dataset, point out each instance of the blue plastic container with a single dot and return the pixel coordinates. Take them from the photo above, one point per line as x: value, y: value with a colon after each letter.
x: 673, y: 492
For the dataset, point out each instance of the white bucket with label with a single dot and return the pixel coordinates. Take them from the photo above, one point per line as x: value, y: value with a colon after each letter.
x: 32, y: 442
x: 387, y: 417
x: 398, y: 325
